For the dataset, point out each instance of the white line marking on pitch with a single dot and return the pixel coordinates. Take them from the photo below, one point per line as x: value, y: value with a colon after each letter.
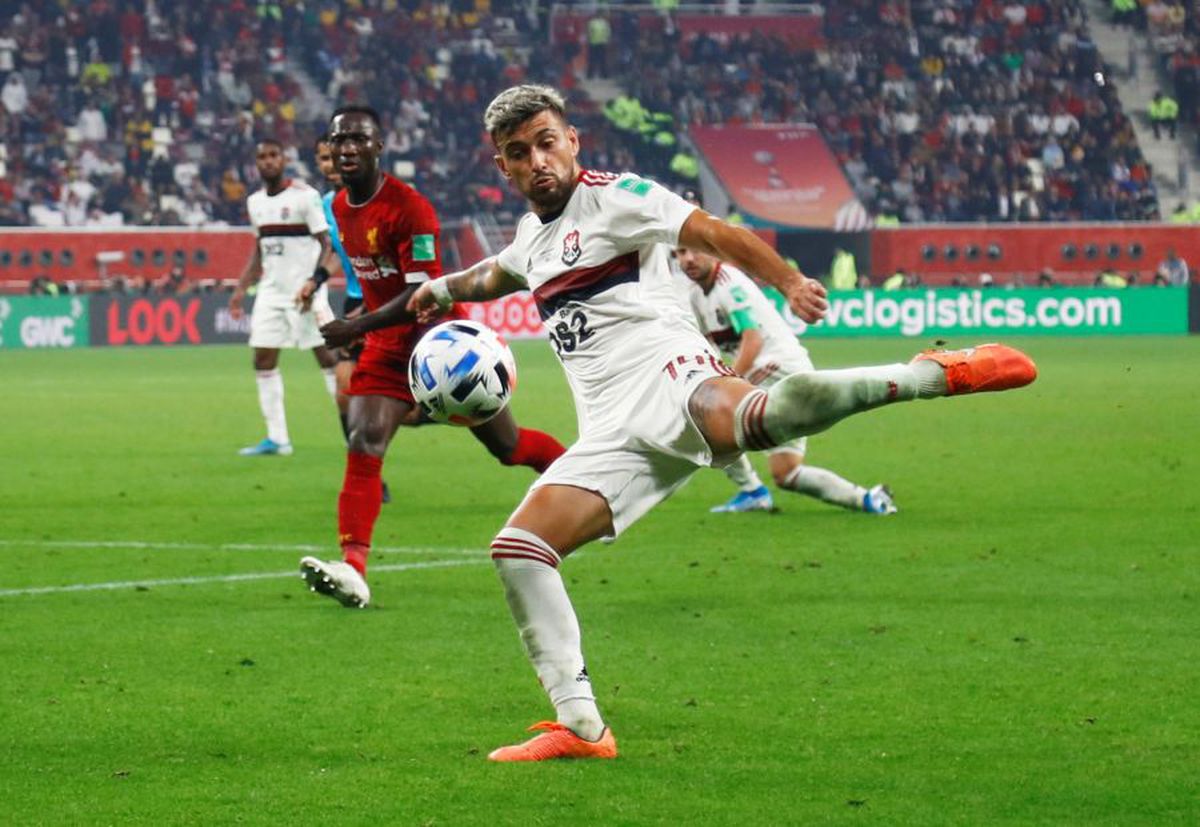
x: 224, y: 578
x: 152, y: 546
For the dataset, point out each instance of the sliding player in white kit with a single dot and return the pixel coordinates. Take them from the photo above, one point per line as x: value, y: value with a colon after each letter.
x: 292, y: 246
x: 736, y: 317
x: 654, y: 402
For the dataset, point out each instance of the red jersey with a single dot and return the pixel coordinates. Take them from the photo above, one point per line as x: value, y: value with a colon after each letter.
x: 393, y: 242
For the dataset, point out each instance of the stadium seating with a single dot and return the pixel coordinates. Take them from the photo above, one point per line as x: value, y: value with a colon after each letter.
x: 146, y: 113
x: 963, y: 111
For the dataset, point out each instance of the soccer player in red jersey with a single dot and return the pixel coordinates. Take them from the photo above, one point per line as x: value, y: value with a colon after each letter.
x: 391, y: 234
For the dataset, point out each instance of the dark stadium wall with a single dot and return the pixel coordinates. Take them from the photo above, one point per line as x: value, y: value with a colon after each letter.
x: 813, y: 249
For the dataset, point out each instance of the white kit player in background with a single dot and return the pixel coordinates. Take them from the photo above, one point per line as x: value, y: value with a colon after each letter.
x: 738, y: 319
x: 653, y: 400
x: 292, y: 246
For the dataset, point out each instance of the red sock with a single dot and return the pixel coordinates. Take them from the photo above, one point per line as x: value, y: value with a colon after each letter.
x: 536, y: 449
x: 358, y: 507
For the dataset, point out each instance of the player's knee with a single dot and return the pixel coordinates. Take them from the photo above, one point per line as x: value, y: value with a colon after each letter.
x: 367, y: 439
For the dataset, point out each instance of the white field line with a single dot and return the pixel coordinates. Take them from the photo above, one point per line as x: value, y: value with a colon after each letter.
x: 224, y: 578
x: 303, y: 549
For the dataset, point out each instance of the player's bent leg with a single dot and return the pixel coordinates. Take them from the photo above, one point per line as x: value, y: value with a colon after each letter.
x: 807, y: 403
x: 789, y: 472
x: 342, y: 372
x: 552, y: 521
x: 513, y: 445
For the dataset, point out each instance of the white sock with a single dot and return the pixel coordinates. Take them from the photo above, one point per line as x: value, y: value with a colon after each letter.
x: 270, y: 402
x: 825, y: 485
x: 808, y: 403
x: 330, y: 381
x: 528, y: 567
x: 743, y: 475
x: 931, y: 379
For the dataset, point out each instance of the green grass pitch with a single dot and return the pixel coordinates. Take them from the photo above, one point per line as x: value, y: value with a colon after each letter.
x: 1018, y: 646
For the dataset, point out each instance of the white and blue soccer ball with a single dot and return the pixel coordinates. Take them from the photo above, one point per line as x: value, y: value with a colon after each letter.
x: 462, y: 372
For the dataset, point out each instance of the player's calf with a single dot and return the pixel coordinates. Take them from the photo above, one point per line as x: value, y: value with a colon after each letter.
x: 807, y: 403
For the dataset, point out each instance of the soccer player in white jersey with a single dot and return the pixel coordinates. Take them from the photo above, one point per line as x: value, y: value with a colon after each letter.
x: 654, y: 402
x: 293, y: 246
x: 740, y: 321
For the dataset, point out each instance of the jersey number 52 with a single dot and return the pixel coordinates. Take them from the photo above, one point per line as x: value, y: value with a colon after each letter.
x: 571, y: 332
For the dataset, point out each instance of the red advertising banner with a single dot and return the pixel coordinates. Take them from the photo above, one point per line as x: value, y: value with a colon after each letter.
x: 91, y: 255
x: 782, y: 174
x: 1074, y: 252
x: 513, y: 317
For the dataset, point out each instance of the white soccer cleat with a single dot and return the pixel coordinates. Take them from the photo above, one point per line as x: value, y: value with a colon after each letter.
x: 336, y: 579
x: 878, y: 500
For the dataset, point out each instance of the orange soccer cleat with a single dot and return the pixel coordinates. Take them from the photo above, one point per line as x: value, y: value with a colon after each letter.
x: 983, y: 368
x: 557, y: 741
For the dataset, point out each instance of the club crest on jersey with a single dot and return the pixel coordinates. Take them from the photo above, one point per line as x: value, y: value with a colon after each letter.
x: 284, y: 213
x: 373, y: 240
x: 571, y: 249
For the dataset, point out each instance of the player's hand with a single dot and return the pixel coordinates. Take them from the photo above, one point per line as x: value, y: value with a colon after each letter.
x: 304, y: 295
x: 340, y: 333
x: 806, y: 297
x: 423, y: 306
x: 235, y: 304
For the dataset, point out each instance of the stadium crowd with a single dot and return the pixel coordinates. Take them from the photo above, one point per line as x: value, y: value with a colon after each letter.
x: 145, y: 111
x: 941, y: 110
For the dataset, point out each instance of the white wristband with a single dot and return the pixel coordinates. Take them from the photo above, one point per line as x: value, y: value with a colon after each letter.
x: 441, y: 293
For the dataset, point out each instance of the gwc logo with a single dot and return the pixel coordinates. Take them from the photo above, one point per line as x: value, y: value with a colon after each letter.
x: 36, y: 330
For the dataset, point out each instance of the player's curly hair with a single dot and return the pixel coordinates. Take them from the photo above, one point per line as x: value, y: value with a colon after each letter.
x: 517, y: 104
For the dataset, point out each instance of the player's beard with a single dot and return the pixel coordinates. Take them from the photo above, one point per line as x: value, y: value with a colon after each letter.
x: 550, y: 200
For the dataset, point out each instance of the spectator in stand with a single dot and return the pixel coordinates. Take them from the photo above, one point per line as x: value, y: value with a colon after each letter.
x: 972, y: 109
x: 173, y: 283
x: 1174, y: 269
x: 599, y: 36
x: 1164, y: 114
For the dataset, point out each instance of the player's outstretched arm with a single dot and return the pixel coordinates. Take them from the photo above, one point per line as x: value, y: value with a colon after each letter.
x: 742, y: 248
x: 478, y: 283
x: 341, y: 332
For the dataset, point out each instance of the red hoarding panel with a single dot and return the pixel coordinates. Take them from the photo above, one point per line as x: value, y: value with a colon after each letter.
x: 1075, y: 252
x: 88, y: 255
x: 783, y: 174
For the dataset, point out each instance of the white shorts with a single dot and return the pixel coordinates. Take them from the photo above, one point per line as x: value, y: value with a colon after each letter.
x: 279, y: 324
x: 637, y: 462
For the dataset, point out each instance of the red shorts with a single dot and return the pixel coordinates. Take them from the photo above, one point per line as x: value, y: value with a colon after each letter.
x: 381, y: 373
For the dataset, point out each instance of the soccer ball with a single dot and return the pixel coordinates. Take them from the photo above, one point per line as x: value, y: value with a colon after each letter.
x: 462, y: 373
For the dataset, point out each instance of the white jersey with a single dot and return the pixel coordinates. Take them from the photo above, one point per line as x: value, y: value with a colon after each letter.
x: 286, y: 223
x: 736, y: 304
x: 601, y: 279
